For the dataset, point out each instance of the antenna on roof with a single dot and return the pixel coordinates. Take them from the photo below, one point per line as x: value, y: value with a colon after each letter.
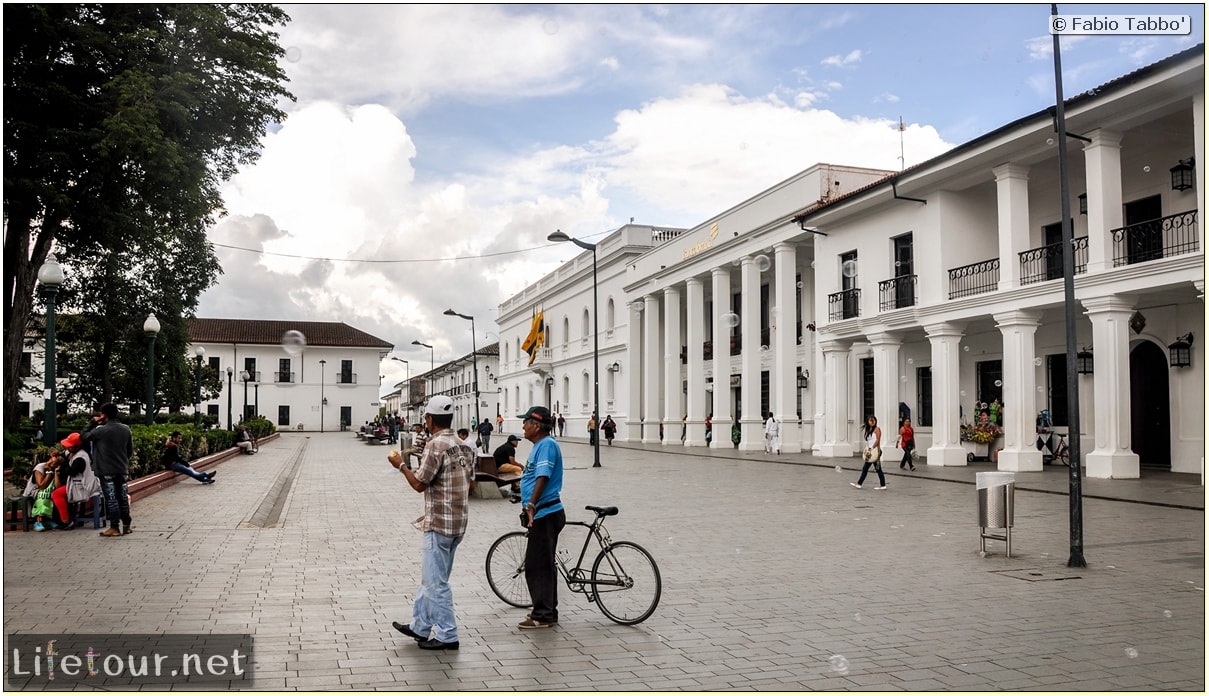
x: 902, y: 155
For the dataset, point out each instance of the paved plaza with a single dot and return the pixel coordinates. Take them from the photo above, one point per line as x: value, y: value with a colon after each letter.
x: 777, y: 575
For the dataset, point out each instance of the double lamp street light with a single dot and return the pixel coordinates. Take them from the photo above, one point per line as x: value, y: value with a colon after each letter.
x: 474, y: 358
x: 560, y: 236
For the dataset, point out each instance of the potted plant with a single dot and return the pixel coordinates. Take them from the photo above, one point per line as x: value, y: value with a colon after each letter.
x: 980, y: 436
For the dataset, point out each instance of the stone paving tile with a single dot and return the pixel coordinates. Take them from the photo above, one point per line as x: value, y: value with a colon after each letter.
x: 798, y: 569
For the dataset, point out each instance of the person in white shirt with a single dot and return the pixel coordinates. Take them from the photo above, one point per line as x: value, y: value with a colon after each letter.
x: 772, y: 435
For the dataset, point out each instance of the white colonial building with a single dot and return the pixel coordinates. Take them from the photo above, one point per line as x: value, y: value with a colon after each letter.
x: 808, y: 300
x: 332, y: 381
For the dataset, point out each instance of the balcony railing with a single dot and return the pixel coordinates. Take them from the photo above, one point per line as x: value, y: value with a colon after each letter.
x: 1045, y: 263
x: 287, y: 377
x: 844, y: 304
x: 974, y: 279
x: 897, y: 293
x: 346, y: 378
x: 1155, y: 239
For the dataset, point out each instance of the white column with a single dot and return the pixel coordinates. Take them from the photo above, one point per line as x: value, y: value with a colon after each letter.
x: 812, y: 402
x: 721, y: 360
x: 652, y: 366
x: 784, y: 377
x: 1019, y: 329
x: 946, y: 449
x: 634, y: 344
x: 1113, y: 457
x: 834, y: 383
x: 697, y: 408
x: 1198, y: 139
x: 1011, y: 188
x: 886, y: 382
x: 673, y: 397
x: 1104, y: 208
x: 751, y: 421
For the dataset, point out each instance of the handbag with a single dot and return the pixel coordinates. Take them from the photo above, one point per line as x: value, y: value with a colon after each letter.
x: 872, y: 454
x: 43, y: 506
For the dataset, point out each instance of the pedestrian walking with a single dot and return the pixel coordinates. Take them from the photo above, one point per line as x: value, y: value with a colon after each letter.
x: 772, y: 435
x: 906, y: 440
x: 445, y: 477
x: 541, y: 488
x: 872, y: 453
x: 562, y: 424
x: 485, y: 429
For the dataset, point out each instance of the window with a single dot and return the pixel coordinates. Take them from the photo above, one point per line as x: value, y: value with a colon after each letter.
x: 990, y: 381
x: 587, y: 324
x: 765, y: 397
x: 283, y: 415
x: 27, y: 368
x: 923, y: 396
x: 610, y: 318
x: 904, y: 271
x: 283, y: 371
x: 214, y: 365
x: 249, y: 366
x: 566, y: 331
x: 346, y: 373
x: 849, y: 285
x: 765, y: 334
x: 1055, y: 371
x: 212, y: 410
x: 866, y: 389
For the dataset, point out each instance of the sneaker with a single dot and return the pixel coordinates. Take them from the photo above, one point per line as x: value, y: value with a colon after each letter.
x: 531, y: 622
x: 854, y: 485
x: 111, y: 532
x: 39, y: 527
x: 69, y: 526
x: 880, y: 488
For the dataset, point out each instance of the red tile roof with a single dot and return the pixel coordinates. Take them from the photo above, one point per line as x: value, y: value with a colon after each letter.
x: 269, y: 332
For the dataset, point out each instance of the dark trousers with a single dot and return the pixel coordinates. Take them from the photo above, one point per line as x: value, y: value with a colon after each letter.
x: 908, y: 449
x: 881, y: 477
x: 540, y: 574
x: 117, y: 500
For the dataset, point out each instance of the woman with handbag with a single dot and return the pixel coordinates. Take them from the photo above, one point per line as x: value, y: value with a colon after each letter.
x: 872, y: 453
x: 41, y: 486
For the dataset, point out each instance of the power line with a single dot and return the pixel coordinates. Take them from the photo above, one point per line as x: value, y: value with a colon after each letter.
x: 325, y: 258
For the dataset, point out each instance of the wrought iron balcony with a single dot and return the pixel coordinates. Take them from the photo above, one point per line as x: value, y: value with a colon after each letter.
x: 286, y: 377
x: 346, y: 378
x: 1155, y: 239
x: 1045, y: 263
x: 974, y: 279
x: 845, y: 304
x: 897, y: 293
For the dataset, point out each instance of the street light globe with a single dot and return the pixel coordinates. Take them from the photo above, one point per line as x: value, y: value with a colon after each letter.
x: 50, y: 273
x: 200, y: 352
x: 151, y: 327
x: 230, y: 371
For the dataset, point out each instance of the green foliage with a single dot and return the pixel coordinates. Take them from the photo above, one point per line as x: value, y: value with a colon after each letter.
x: 121, y: 122
x: 260, y: 427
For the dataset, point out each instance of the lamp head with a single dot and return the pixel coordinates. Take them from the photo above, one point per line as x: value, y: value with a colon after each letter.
x: 50, y: 273
x: 200, y: 352
x: 151, y: 327
x: 558, y: 236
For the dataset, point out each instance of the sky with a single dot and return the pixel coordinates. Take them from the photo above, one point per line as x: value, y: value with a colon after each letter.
x: 431, y: 149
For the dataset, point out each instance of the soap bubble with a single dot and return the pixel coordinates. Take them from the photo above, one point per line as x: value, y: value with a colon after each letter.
x: 848, y: 268
x: 293, y: 54
x: 763, y: 263
x: 839, y: 469
x: 857, y: 616
x: 1037, y: 362
x: 812, y: 264
x: 998, y: 383
x: 730, y: 320
x: 839, y: 664
x: 1167, y: 613
x: 1040, y: 390
x: 903, y: 378
x: 292, y: 342
x: 1131, y: 653
x: 910, y: 361
x: 963, y: 392
x: 966, y: 348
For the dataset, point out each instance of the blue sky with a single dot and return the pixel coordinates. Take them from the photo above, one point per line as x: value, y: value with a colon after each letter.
x: 451, y: 132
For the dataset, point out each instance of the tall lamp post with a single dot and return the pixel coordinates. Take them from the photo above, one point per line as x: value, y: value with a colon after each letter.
x: 230, y: 387
x: 431, y: 363
x: 200, y: 355
x: 50, y: 277
x: 406, y: 378
x: 151, y: 328
x: 322, y: 398
x: 245, y: 376
x: 560, y: 236
x: 474, y: 359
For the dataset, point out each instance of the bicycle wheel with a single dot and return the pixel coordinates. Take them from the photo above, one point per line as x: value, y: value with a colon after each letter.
x: 1062, y: 456
x: 506, y: 569
x: 626, y: 583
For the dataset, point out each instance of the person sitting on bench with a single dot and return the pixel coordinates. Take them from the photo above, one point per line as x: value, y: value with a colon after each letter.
x: 244, y: 439
x: 173, y: 461
x: 505, y: 460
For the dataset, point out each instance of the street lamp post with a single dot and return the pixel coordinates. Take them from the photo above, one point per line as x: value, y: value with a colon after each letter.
x: 407, y: 379
x: 431, y: 363
x: 474, y: 359
x: 230, y: 386
x: 322, y: 398
x: 256, y: 399
x: 245, y: 376
x: 151, y: 328
x: 50, y: 277
x: 560, y: 236
x: 201, y: 354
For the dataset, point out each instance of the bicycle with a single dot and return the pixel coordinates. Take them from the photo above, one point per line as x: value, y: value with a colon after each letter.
x: 623, y: 580
x: 1061, y: 455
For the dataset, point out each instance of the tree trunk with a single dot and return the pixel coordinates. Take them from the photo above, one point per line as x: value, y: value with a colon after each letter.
x: 20, y: 278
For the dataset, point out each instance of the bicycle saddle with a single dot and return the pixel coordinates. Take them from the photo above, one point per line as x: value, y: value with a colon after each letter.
x: 603, y: 512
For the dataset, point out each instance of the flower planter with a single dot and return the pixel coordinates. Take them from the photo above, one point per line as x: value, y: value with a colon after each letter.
x: 980, y: 452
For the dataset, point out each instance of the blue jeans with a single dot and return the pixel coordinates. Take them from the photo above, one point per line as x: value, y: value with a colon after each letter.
x: 433, y: 609
x: 117, y: 500
x: 881, y: 477
x: 188, y: 471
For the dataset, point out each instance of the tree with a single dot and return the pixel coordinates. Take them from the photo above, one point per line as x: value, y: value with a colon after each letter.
x: 120, y: 124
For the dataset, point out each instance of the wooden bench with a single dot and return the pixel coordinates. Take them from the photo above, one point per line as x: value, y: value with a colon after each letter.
x: 486, y: 474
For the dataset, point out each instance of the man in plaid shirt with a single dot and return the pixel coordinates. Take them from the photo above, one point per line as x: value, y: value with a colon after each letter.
x: 445, y: 477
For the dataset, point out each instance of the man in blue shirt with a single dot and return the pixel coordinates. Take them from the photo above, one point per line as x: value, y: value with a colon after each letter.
x: 541, y: 485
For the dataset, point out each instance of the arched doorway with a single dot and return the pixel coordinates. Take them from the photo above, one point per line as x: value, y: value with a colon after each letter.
x: 1149, y: 405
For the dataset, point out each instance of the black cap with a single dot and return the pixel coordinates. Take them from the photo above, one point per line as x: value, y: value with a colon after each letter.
x: 540, y: 414
x: 513, y: 438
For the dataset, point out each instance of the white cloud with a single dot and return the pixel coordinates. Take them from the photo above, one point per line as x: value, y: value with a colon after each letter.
x: 886, y: 97
x: 840, y: 61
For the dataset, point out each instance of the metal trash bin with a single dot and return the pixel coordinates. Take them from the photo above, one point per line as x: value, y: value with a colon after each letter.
x: 996, y: 503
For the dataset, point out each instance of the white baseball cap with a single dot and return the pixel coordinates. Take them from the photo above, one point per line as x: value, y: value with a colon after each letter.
x: 439, y: 406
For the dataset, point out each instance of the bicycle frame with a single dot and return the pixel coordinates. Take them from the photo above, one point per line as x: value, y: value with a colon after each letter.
x: 578, y: 577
